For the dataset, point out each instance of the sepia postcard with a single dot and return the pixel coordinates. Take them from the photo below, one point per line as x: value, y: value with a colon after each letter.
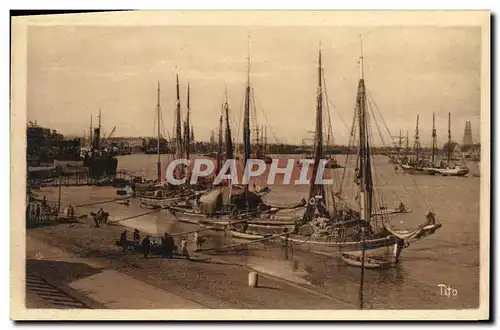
x: 251, y: 165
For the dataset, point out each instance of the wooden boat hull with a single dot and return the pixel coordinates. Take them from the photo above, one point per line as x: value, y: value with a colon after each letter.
x: 332, y: 247
x: 222, y: 220
x: 247, y: 236
x: 451, y: 171
x: 370, y: 262
x: 416, y: 170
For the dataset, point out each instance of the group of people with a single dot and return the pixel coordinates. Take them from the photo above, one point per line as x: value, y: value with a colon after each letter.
x: 147, y: 246
x: 41, y: 211
x: 100, y: 217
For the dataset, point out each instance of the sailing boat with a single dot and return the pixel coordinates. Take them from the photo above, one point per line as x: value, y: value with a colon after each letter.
x: 232, y: 204
x: 259, y: 151
x: 396, y: 159
x: 419, y: 164
x: 157, y: 195
x: 356, y: 234
x: 422, y: 166
x: 449, y: 168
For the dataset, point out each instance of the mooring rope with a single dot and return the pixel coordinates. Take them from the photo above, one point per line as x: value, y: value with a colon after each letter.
x: 135, y: 216
x: 302, y: 243
x: 240, y: 244
x: 103, y: 202
x: 87, y: 204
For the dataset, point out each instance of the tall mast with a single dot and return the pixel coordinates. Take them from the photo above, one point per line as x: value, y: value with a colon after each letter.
x: 229, y: 142
x: 257, y: 146
x: 318, y: 139
x: 399, y: 144
x: 158, y: 114
x: 90, y: 137
x: 186, y: 129
x: 265, y: 139
x: 97, y: 136
x: 246, y: 122
x: 364, y: 150
x: 178, y: 130
x: 261, y: 147
x: 219, y: 144
x: 407, y: 149
x: 449, y: 137
x: 433, y: 137
x: 417, y: 142
x: 364, y: 172
x: 191, y: 131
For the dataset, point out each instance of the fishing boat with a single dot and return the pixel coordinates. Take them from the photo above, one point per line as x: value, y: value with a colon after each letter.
x: 432, y: 167
x: 356, y: 259
x: 260, y: 146
x: 157, y: 194
x: 356, y: 231
x: 242, y: 235
x: 448, y: 168
x: 397, y: 158
x: 153, y: 193
x: 226, y: 203
x: 416, y: 165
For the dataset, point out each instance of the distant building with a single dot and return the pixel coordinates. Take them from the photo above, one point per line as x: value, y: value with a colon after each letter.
x: 44, y: 146
x: 467, y: 134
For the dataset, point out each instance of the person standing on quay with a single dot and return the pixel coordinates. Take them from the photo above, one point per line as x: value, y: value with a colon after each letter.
x: 124, y: 241
x: 198, y: 240
x: 137, y: 237
x: 146, y: 246
x: 183, y: 249
x: 166, y: 246
x: 286, y: 235
x: 38, y: 211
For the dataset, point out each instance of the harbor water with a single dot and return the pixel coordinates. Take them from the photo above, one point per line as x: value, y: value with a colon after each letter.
x: 449, y: 257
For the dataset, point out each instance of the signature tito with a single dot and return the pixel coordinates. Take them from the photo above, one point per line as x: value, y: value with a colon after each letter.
x: 447, y: 291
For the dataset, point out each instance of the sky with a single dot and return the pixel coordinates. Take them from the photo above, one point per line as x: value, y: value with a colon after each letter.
x: 73, y: 71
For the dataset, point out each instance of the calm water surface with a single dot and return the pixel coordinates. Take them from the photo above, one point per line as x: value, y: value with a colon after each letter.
x: 450, y: 256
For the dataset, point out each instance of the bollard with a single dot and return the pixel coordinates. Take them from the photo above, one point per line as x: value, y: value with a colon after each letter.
x: 253, y: 279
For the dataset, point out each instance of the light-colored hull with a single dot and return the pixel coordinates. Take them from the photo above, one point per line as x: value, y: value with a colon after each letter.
x: 247, y: 236
x: 416, y: 170
x: 193, y: 217
x: 332, y: 247
x: 375, y: 259
x: 451, y: 171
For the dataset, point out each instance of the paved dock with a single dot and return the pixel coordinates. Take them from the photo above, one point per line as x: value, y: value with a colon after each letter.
x: 85, y: 259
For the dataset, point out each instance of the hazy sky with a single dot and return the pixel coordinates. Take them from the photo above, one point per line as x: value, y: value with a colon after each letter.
x: 74, y: 71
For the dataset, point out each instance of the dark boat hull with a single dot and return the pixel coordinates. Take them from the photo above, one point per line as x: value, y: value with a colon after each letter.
x: 101, y: 165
